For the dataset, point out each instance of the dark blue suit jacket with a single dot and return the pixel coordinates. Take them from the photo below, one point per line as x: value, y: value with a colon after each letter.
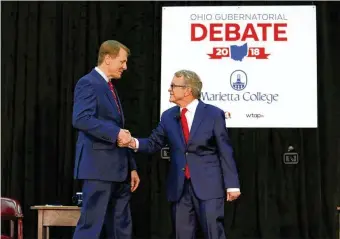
x: 208, y: 152
x: 96, y: 117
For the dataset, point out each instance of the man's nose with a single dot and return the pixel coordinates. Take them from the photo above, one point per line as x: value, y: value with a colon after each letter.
x: 125, y: 66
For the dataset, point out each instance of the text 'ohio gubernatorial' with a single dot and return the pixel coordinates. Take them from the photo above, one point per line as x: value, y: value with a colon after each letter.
x: 215, y: 31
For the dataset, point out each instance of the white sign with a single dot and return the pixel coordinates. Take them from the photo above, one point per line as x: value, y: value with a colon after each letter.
x: 257, y: 63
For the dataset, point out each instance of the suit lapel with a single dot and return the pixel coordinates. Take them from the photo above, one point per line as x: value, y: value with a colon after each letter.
x: 120, y: 106
x: 198, y: 117
x: 105, y: 86
x: 110, y: 96
x: 178, y: 125
x: 107, y: 91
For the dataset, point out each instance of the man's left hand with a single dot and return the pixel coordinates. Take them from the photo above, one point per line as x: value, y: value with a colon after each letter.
x: 134, y: 180
x: 231, y: 196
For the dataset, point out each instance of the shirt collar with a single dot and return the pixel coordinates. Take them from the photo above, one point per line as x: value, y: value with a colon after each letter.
x: 191, y: 106
x: 101, y: 73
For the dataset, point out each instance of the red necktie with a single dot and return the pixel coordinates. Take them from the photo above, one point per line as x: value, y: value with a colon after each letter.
x: 114, y: 95
x: 186, y: 133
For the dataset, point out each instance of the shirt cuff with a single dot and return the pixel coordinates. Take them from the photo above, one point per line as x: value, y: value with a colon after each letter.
x: 137, y: 145
x: 233, y: 190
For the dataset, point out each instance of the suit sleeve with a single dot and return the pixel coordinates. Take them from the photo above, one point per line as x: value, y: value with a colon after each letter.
x: 132, y: 162
x: 155, y: 141
x: 229, y: 170
x: 84, y: 114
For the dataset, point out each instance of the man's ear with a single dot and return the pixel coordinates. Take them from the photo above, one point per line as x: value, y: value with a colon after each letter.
x: 188, y: 91
x: 107, y: 59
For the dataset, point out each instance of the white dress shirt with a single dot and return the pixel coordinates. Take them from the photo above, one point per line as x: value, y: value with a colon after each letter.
x: 191, y: 107
x: 102, y: 74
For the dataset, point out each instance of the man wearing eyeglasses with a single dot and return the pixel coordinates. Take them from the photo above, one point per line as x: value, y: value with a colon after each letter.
x: 202, y: 174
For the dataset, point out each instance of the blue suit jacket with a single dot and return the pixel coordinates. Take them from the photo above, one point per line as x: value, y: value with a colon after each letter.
x: 208, y: 152
x: 96, y: 117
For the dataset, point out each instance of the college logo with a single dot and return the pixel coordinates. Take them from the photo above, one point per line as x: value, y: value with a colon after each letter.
x: 238, y: 80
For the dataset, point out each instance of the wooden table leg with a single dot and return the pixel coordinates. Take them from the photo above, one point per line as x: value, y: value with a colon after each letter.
x: 47, y: 232
x: 40, y: 224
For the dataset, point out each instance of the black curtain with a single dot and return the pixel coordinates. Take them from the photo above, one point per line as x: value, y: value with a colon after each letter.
x: 48, y: 46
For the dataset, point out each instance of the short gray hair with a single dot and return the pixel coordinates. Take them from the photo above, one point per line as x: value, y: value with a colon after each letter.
x: 191, y: 80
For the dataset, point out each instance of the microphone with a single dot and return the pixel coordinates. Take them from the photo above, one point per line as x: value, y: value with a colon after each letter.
x: 177, y: 117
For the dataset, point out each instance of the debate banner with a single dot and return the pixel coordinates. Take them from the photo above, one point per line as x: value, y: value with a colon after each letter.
x: 257, y: 63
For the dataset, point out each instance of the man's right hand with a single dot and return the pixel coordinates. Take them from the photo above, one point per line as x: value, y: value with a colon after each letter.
x: 131, y: 144
x: 124, y: 137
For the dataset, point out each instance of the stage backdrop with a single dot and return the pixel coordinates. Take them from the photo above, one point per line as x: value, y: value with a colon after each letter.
x: 257, y: 63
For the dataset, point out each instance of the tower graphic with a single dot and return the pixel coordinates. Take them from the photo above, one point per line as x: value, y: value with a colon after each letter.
x: 238, y: 80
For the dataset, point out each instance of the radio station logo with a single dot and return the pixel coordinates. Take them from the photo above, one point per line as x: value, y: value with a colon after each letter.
x: 238, y: 80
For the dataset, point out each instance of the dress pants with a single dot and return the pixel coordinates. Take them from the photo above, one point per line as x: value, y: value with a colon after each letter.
x: 105, y: 210
x: 190, y: 209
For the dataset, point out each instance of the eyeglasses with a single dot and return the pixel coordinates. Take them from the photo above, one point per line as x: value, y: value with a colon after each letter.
x: 172, y: 86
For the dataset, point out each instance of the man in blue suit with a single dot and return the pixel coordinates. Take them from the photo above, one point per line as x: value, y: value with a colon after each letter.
x: 108, y: 172
x: 202, y: 172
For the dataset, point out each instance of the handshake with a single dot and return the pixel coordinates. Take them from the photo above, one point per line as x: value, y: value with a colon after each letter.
x: 125, y: 139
